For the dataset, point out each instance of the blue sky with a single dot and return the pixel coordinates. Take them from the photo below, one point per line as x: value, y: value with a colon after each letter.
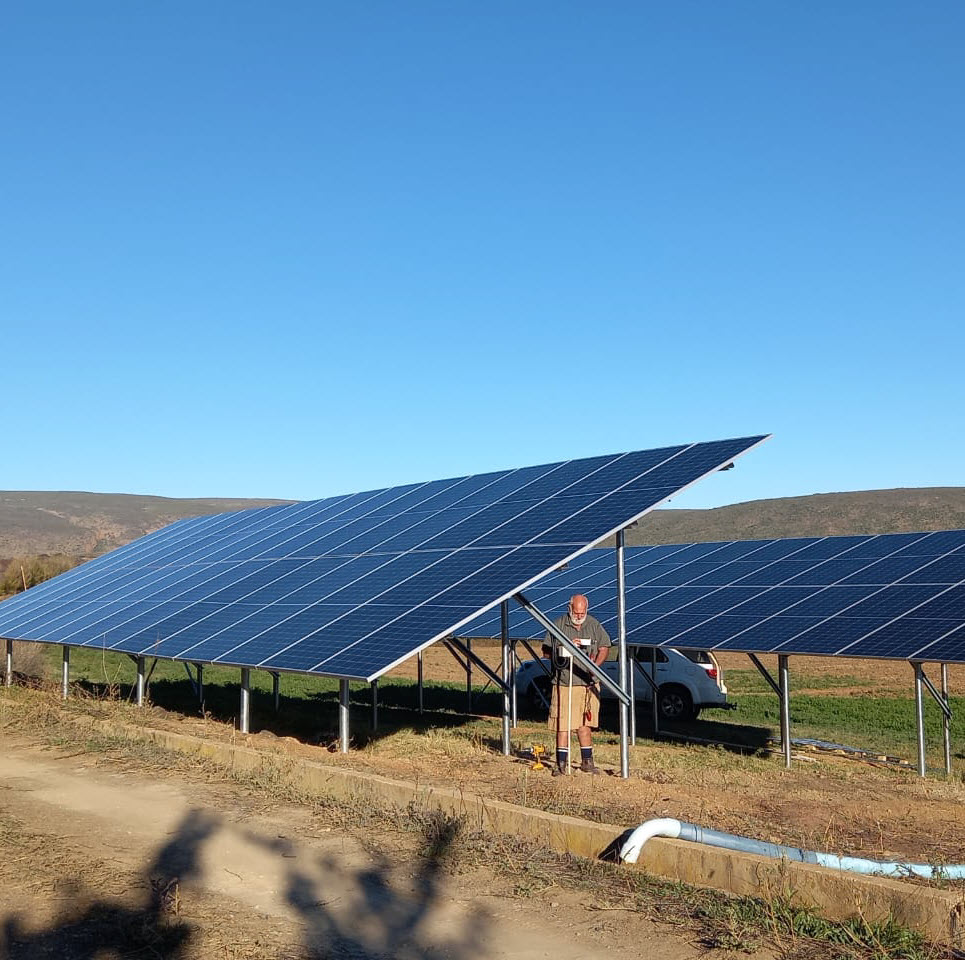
x: 303, y: 248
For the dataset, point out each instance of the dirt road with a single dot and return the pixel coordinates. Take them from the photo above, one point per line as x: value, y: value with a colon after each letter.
x: 101, y: 856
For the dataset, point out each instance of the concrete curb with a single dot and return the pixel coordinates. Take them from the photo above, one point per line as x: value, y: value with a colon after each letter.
x: 836, y: 895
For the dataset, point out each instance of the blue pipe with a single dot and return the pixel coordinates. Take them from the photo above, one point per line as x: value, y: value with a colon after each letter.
x: 677, y: 829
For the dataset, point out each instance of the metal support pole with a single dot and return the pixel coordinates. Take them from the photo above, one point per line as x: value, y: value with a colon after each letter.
x: 245, y: 706
x: 421, y: 682
x: 201, y: 685
x: 507, y: 677
x: 946, y: 722
x: 468, y: 678
x: 343, y: 700
x: 276, y: 689
x: 632, y: 691
x: 622, y: 641
x: 8, y: 670
x: 919, y: 719
x: 514, y: 711
x: 655, y: 691
x: 784, y: 677
x: 375, y: 705
x: 65, y: 677
x: 140, y: 681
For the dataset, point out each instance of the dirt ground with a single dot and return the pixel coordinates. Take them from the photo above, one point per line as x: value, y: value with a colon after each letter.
x: 104, y: 856
x: 824, y: 802
x: 181, y: 864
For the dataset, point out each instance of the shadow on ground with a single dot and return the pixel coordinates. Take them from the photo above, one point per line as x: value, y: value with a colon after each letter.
x: 361, y: 914
x: 89, y: 927
x: 314, y: 718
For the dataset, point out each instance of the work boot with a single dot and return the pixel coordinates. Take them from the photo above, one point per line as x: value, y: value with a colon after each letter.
x: 558, y: 771
x: 588, y: 766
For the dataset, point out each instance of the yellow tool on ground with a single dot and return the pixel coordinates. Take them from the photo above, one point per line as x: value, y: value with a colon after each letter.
x: 539, y: 751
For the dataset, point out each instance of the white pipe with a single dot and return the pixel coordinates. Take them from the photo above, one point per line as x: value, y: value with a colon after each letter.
x: 664, y: 827
x: 676, y: 829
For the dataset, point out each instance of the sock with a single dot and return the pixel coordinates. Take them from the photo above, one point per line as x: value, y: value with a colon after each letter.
x: 562, y: 755
x: 586, y: 754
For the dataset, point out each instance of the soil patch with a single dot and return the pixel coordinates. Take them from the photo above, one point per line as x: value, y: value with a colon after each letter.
x: 105, y: 855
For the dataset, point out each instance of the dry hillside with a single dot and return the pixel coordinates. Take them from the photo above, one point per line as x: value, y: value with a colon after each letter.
x: 820, y: 515
x: 88, y: 524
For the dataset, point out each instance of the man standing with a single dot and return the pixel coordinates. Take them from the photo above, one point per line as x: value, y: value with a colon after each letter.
x: 581, y: 710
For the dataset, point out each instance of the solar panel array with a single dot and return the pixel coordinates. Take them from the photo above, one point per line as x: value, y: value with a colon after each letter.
x: 894, y: 596
x: 350, y: 585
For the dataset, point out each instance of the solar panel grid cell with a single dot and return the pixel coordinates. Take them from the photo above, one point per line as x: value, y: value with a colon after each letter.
x: 948, y: 569
x: 946, y: 648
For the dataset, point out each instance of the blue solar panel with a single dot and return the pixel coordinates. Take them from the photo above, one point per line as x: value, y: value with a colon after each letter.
x: 895, y: 596
x: 351, y: 585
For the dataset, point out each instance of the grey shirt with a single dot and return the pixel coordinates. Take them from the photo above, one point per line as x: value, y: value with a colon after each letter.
x: 590, y: 637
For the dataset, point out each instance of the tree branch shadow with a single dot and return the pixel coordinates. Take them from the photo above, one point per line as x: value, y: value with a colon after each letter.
x: 87, y: 928
x: 388, y: 908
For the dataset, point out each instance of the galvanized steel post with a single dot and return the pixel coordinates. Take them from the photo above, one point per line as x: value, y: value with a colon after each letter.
x: 245, y: 705
x: 946, y: 722
x: 468, y: 678
x: 622, y: 639
x: 201, y: 685
x: 632, y: 691
x: 343, y: 701
x: 654, y: 692
x: 65, y: 676
x: 919, y: 719
x: 507, y: 679
x: 785, y: 682
x: 8, y: 671
x: 514, y: 707
x: 375, y: 705
x: 276, y: 689
x: 140, y: 682
x: 421, y: 687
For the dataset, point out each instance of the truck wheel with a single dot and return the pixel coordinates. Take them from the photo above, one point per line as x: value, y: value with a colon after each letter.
x: 675, y: 703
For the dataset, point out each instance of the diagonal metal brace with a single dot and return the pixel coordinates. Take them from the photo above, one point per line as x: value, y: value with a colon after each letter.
x: 150, y: 673
x: 939, y: 699
x: 191, y: 680
x: 578, y: 655
x: 764, y: 673
x: 452, y: 642
x: 546, y: 670
x: 455, y: 655
x: 634, y: 664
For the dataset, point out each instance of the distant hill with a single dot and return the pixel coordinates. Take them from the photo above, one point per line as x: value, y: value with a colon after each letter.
x: 819, y: 515
x: 88, y: 524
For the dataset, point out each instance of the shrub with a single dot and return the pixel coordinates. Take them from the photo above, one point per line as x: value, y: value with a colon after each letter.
x: 33, y: 570
x: 29, y: 659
